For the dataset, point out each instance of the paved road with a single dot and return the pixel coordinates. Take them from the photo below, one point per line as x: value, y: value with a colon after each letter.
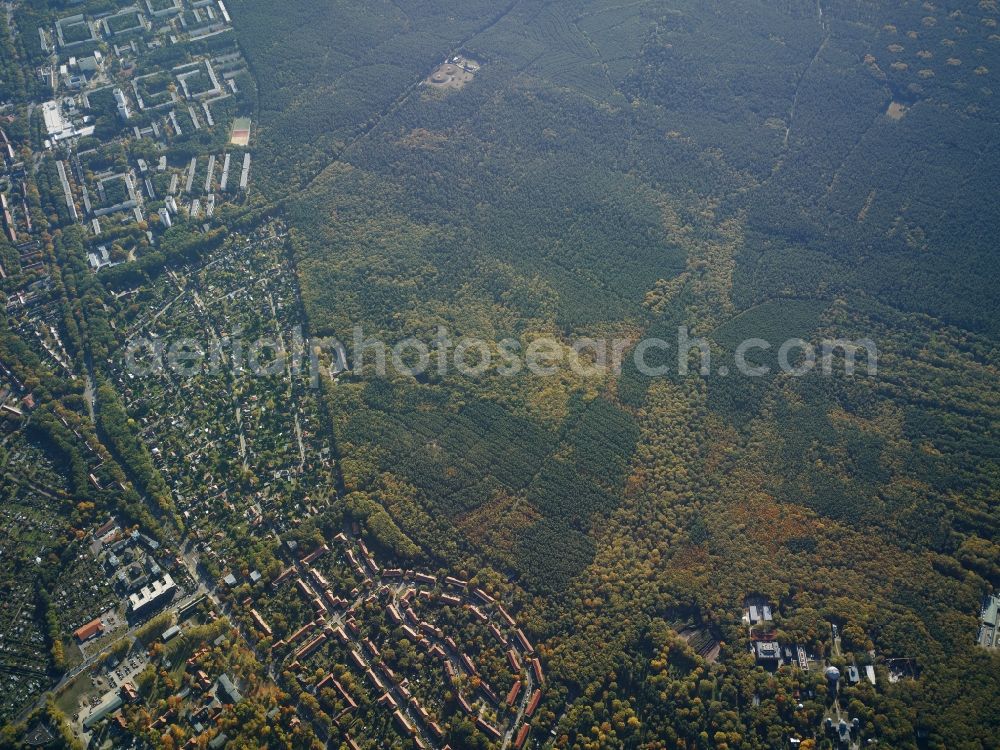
x: 90, y: 661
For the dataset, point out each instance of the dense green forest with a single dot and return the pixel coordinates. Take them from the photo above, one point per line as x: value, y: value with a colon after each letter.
x: 747, y: 169
x: 820, y: 170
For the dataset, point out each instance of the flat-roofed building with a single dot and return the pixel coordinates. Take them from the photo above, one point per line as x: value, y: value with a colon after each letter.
x: 767, y: 651
x: 151, y: 594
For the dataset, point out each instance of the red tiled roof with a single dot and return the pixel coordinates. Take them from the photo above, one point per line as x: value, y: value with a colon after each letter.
x: 89, y: 630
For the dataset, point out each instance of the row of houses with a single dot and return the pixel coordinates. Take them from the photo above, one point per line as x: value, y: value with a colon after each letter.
x: 393, y: 691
